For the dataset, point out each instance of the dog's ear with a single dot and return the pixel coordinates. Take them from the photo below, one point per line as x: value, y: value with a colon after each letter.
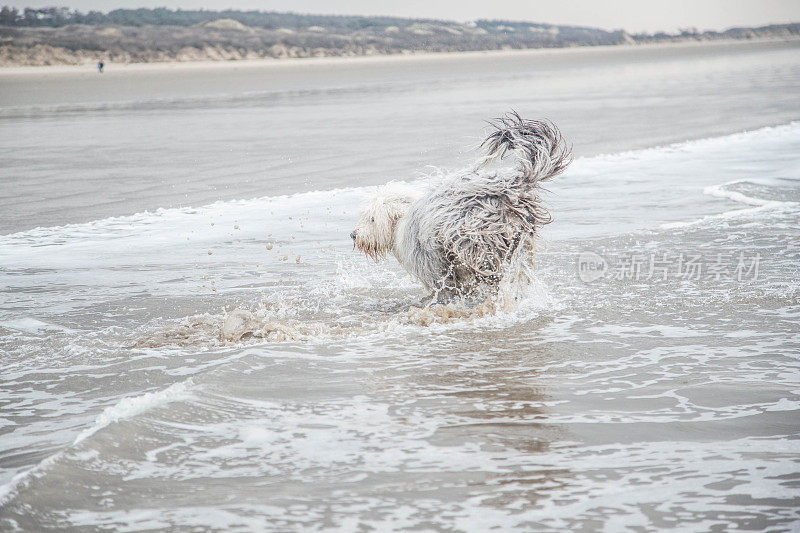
x: 398, y: 206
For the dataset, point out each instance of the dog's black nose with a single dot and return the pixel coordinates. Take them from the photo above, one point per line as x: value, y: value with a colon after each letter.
x: 353, y: 235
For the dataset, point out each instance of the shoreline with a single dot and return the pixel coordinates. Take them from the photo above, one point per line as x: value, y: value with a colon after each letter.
x: 184, y: 66
x: 159, y: 135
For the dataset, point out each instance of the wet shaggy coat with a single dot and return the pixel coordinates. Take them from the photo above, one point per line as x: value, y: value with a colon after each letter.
x: 460, y: 235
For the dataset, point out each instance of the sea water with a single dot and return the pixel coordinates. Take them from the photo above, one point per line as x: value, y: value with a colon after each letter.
x: 189, y: 341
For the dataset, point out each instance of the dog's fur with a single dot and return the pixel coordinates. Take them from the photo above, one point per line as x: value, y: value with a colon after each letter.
x: 461, y: 235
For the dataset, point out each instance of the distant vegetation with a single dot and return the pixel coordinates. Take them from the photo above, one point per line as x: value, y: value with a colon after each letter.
x: 55, y: 17
x: 65, y: 36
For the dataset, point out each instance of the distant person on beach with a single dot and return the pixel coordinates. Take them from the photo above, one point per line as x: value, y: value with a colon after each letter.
x: 100, y: 66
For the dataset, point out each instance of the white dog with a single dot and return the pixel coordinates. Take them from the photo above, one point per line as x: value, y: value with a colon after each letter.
x: 461, y: 235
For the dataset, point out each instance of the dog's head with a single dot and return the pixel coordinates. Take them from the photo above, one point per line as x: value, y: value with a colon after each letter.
x: 374, y: 233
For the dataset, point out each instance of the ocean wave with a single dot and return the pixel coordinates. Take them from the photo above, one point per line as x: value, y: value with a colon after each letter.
x: 222, y: 100
x: 347, y: 198
x: 283, y: 318
x: 699, y: 145
x: 124, y: 409
x: 721, y: 191
x: 725, y: 191
x: 32, y: 325
x: 729, y: 215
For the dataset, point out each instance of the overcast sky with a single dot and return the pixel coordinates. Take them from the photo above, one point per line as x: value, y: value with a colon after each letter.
x: 632, y: 15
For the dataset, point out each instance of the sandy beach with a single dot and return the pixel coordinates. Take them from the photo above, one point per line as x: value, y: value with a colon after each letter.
x: 289, y: 63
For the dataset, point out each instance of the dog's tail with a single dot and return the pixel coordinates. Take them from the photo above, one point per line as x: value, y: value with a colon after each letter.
x: 538, y: 144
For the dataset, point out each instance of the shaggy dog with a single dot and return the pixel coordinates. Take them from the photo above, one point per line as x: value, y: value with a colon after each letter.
x: 460, y: 237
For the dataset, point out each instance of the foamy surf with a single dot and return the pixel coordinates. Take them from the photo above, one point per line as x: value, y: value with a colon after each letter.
x: 723, y: 191
x: 32, y: 325
x: 516, y: 302
x: 315, y: 210
x: 762, y: 206
x: 322, y: 369
x: 123, y: 410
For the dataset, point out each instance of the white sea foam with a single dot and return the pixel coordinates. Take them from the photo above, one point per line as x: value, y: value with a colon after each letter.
x: 32, y: 325
x: 720, y: 191
x: 134, y: 406
x: 318, y: 209
x: 305, y: 236
x: 727, y: 215
x: 124, y: 409
x: 704, y: 145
